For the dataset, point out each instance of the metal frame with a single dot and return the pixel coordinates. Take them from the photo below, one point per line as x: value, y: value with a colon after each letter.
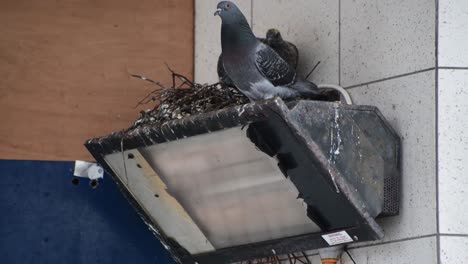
x: 274, y: 113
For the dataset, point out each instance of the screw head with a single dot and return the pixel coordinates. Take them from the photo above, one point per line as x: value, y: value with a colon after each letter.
x: 94, y: 184
x: 75, y: 181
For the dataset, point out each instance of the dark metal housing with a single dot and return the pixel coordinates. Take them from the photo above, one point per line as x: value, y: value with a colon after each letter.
x: 343, y: 160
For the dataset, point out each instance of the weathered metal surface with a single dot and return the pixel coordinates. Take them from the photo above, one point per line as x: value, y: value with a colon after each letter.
x: 359, y: 143
x: 152, y: 194
x: 344, y: 160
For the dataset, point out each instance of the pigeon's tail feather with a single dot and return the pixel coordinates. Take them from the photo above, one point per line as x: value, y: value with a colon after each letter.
x: 310, y: 90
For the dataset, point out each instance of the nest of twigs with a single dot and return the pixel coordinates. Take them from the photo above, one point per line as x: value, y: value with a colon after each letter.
x: 185, y: 98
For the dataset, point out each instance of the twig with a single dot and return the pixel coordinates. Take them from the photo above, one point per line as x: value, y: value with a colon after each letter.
x: 142, y: 101
x: 349, y: 255
x: 313, y: 69
x: 148, y: 80
x: 306, y: 257
x: 179, y: 76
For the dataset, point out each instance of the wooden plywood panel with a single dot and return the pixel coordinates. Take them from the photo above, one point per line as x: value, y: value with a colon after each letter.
x: 65, y: 65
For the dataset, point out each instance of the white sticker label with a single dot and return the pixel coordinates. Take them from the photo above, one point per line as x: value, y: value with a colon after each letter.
x: 337, y: 238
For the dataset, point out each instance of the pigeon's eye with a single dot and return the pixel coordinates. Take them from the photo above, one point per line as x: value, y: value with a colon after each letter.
x: 228, y: 5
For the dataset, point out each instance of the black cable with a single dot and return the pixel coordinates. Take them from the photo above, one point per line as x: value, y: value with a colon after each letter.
x: 306, y: 257
x: 349, y: 255
x: 313, y: 69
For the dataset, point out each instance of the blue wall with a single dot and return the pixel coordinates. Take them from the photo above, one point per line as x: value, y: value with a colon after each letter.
x: 46, y: 219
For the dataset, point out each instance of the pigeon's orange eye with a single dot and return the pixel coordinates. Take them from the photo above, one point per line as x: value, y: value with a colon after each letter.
x: 228, y: 5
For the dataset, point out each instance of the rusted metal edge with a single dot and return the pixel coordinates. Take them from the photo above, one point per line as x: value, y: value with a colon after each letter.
x: 148, y: 135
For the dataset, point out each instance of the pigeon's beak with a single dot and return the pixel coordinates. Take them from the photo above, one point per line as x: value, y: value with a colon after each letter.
x: 218, y: 11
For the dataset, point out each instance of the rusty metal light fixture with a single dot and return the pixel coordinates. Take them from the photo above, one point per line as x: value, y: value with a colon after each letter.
x: 266, y: 178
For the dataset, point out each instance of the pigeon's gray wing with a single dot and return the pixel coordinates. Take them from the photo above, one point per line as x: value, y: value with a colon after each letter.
x: 220, y: 67
x: 224, y: 78
x: 273, y: 67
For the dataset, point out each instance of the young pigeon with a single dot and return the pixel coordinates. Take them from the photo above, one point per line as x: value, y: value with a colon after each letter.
x: 255, y: 68
x: 285, y: 49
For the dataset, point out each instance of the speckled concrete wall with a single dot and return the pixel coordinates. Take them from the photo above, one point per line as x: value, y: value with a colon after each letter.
x: 385, y: 53
x: 453, y: 130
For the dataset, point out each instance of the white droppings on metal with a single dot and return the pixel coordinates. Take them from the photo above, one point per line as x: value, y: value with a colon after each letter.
x: 162, y: 132
x: 358, y: 145
x: 151, y: 227
x: 241, y: 110
x: 335, y: 144
x: 165, y: 246
x: 358, y: 142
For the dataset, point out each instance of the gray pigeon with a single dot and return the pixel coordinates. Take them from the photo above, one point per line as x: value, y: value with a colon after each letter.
x: 285, y: 49
x: 255, y: 68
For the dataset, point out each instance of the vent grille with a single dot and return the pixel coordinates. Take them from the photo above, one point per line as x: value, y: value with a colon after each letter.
x: 391, y: 196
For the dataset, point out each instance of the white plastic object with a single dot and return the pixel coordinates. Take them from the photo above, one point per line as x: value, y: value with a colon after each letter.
x: 89, y: 170
x: 340, y: 89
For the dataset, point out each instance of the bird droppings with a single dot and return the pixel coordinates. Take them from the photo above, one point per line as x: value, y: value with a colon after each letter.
x: 185, y: 98
x: 335, y: 144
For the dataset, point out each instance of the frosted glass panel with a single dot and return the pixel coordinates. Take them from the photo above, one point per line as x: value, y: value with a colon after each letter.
x: 235, y: 193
